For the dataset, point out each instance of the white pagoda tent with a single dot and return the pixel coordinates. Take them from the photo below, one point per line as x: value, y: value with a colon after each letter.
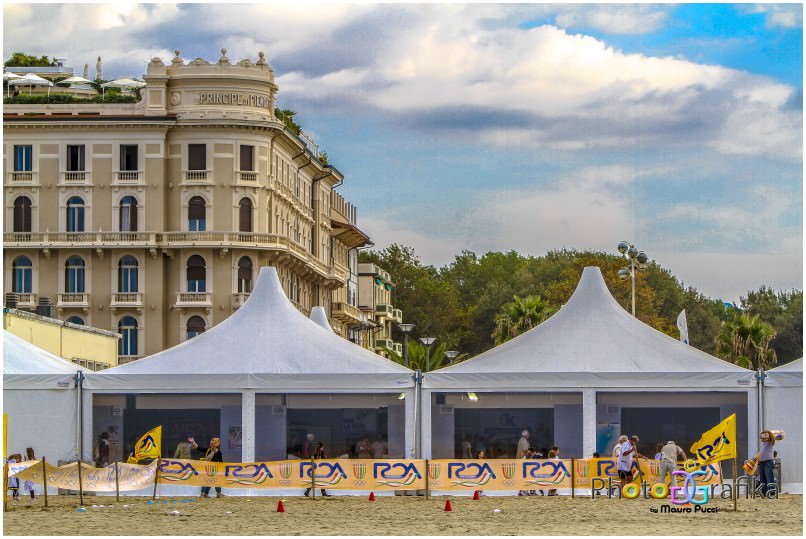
x: 41, y: 401
x: 783, y: 410
x: 261, y: 380
x: 580, y: 379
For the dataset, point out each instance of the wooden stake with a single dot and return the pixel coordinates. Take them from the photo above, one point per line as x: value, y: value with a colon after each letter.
x: 735, y: 491
x: 427, y: 471
x: 572, y: 478
x: 45, y: 479
x: 156, y: 479
x: 5, y: 487
x: 80, y: 487
x: 313, y: 477
x: 117, y: 483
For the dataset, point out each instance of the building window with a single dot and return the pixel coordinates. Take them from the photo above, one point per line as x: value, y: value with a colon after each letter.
x: 74, y: 275
x: 245, y: 275
x: 197, y: 215
x: 245, y: 215
x: 197, y: 157
x: 196, y: 274
x: 22, y: 214
x: 128, y: 157
x: 127, y: 275
x: 75, y: 214
x: 75, y: 158
x: 127, y: 345
x: 128, y: 214
x: 77, y: 320
x: 23, y: 161
x: 195, y: 326
x: 247, y: 158
x: 23, y: 271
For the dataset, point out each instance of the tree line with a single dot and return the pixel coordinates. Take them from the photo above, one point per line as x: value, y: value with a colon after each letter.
x: 476, y: 302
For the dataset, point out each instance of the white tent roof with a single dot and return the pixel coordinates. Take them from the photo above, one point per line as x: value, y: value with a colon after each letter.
x: 26, y: 366
x: 591, y: 342
x: 267, y: 343
x: 792, y: 366
x: 319, y: 316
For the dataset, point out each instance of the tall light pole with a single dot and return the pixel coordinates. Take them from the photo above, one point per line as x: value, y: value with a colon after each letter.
x: 451, y: 355
x: 638, y: 261
x: 405, y: 329
x: 427, y: 341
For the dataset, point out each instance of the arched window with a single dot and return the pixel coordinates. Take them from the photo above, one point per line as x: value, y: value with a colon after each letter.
x: 127, y: 274
x: 196, y: 274
x: 77, y: 320
x: 245, y: 215
x: 245, y: 275
x: 23, y: 270
x: 195, y: 326
x: 197, y: 215
x: 74, y: 275
x: 22, y: 214
x: 75, y: 214
x: 127, y: 345
x: 128, y: 214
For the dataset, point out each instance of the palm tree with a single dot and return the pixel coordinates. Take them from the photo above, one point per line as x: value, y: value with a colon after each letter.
x: 420, y: 358
x: 519, y: 316
x: 745, y: 341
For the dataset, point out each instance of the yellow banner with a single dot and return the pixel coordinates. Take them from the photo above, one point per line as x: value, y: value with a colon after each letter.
x: 349, y: 474
x: 717, y: 444
x: 148, y: 447
x: 130, y: 476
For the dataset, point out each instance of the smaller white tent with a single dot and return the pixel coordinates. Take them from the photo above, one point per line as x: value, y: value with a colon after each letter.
x: 783, y: 410
x: 41, y: 400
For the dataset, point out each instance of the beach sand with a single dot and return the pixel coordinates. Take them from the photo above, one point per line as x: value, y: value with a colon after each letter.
x: 398, y: 515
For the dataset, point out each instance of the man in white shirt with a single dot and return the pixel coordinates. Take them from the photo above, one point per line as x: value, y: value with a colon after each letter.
x: 523, y: 444
x: 617, y: 447
x: 626, y: 454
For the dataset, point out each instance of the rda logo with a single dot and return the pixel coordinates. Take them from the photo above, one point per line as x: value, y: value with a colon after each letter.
x: 714, y: 449
x: 395, y: 475
x: 176, y: 470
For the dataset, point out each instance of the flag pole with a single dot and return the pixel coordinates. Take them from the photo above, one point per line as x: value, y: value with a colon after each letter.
x: 156, y: 478
x: 572, y: 478
x: 427, y: 471
x: 735, y: 491
x: 45, y: 480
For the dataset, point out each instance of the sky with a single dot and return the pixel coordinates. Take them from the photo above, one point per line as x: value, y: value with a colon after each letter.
x: 533, y: 127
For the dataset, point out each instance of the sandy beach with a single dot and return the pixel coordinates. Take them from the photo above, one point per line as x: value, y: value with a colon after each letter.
x: 398, y: 516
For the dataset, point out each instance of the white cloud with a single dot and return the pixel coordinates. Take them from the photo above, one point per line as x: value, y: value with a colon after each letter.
x: 778, y: 15
x: 614, y: 19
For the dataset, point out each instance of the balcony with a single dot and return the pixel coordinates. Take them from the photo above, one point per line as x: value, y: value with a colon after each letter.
x: 346, y: 313
x: 383, y: 310
x: 23, y: 177
x: 397, y: 315
x: 197, y: 176
x: 239, y: 298
x: 247, y: 177
x: 397, y: 348
x: 73, y: 300
x: 122, y: 360
x: 194, y: 300
x: 128, y: 177
x: 123, y: 300
x: 26, y: 301
x: 75, y: 177
x: 383, y: 344
x: 95, y: 240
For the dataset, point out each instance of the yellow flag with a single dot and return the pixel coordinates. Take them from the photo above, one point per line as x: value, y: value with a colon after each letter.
x: 717, y: 444
x: 147, y: 447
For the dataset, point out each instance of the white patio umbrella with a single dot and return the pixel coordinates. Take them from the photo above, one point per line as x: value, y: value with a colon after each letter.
x: 124, y: 83
x: 9, y: 77
x: 75, y: 80
x: 31, y: 80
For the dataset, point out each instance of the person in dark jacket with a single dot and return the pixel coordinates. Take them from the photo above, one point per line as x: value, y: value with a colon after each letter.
x: 319, y: 454
x: 211, y: 454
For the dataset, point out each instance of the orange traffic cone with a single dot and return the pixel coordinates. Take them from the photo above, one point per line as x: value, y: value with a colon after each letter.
x: 280, y: 508
x: 475, y: 494
x: 372, y: 496
x: 448, y: 506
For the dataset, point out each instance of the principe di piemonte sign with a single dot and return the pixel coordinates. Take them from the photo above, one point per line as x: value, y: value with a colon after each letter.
x: 234, y: 98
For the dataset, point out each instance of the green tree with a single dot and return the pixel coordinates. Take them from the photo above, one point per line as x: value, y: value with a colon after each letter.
x: 745, y: 341
x: 423, y: 359
x: 287, y: 117
x: 519, y: 316
x: 20, y: 59
x: 784, y: 312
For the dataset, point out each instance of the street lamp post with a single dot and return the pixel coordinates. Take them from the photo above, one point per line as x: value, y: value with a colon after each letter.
x: 405, y: 329
x: 451, y: 355
x: 638, y: 261
x: 427, y: 341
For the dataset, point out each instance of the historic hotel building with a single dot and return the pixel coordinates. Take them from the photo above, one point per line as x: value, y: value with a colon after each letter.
x: 152, y: 219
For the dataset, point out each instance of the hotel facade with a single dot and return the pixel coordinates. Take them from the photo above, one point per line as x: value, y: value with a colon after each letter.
x: 152, y: 219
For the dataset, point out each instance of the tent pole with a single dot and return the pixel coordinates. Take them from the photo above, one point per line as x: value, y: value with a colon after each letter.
x: 45, y: 480
x: 572, y: 478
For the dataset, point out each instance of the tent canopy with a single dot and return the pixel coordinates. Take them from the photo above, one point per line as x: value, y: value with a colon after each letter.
x: 592, y: 341
x: 267, y: 343
x: 22, y: 357
x: 123, y: 83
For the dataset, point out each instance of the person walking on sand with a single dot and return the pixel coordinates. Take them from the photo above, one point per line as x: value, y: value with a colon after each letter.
x: 669, y: 455
x: 318, y: 454
x: 625, y: 458
x: 211, y: 454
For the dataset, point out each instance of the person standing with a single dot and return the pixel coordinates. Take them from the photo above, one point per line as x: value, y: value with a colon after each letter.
x: 184, y: 450
x: 766, y: 462
x: 319, y: 453
x: 625, y: 458
x: 523, y: 444
x: 554, y: 453
x: 309, y: 447
x: 669, y: 455
x: 617, y: 447
x: 211, y: 454
x: 379, y: 447
x: 102, y: 450
x: 14, y: 483
x: 528, y: 455
x: 28, y: 486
